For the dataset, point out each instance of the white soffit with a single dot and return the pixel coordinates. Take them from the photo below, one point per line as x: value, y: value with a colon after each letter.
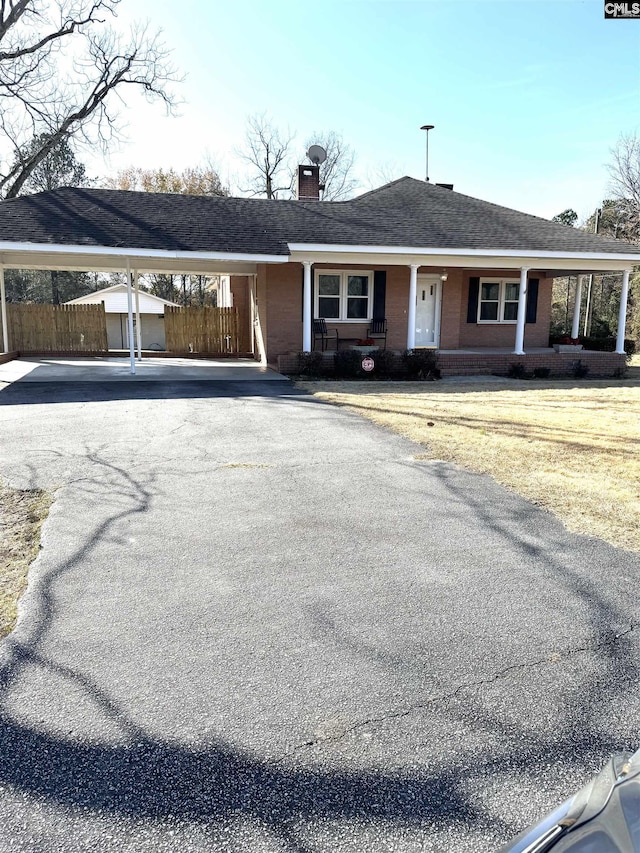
x: 472, y: 258
x: 107, y: 258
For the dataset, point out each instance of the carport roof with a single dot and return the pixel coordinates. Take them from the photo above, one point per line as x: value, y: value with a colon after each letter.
x: 406, y: 212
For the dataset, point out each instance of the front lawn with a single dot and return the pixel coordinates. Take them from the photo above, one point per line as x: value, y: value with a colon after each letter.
x: 569, y: 446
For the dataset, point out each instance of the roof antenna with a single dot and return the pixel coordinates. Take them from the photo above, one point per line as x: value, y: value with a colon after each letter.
x: 427, y: 128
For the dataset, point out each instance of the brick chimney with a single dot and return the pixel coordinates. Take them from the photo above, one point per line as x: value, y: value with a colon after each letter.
x: 309, y: 185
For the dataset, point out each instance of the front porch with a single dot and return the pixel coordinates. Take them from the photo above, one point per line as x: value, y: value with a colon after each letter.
x: 499, y: 310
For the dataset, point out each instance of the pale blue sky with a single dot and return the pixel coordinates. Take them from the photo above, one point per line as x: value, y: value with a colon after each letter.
x: 527, y: 96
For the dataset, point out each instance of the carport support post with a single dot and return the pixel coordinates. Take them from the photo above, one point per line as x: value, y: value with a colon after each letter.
x: 411, y: 313
x: 522, y: 312
x: 575, y: 328
x: 306, y: 307
x: 622, y: 314
x: 138, y: 328
x: 132, y: 351
x: 3, y: 311
x: 252, y: 310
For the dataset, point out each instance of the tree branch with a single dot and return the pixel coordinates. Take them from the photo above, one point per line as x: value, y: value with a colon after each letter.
x: 107, y: 68
x: 66, y: 29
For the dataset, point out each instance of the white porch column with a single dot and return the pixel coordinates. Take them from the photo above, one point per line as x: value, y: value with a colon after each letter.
x: 132, y: 350
x: 259, y: 337
x: 138, y: 326
x: 622, y: 314
x: 411, y: 313
x: 575, y: 328
x: 306, y: 308
x: 587, y: 311
x: 522, y: 312
x: 3, y: 311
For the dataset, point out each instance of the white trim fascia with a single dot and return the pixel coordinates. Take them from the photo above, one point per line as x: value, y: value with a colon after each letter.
x: 414, y: 251
x: 130, y: 252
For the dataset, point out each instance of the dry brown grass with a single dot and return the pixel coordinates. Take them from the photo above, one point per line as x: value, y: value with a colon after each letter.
x: 21, y: 517
x: 571, y: 447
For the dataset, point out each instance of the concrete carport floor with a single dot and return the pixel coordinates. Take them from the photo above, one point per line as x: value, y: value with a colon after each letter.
x: 108, y: 369
x: 258, y: 622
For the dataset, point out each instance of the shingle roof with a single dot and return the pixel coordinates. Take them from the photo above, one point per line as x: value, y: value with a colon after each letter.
x: 406, y: 212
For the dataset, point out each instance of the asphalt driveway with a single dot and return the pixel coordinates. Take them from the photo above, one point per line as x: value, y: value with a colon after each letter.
x: 257, y: 622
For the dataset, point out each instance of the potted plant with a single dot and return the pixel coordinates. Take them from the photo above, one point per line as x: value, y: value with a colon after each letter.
x: 568, y: 344
x: 365, y: 345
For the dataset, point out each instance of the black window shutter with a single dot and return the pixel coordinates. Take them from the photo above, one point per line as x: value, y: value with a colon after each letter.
x: 474, y: 295
x: 379, y: 294
x: 532, y: 300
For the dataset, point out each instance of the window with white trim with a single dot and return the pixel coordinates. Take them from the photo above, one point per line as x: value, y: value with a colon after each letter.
x: 343, y: 296
x: 498, y: 300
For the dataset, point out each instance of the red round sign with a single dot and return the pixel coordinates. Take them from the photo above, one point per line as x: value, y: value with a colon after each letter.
x: 368, y: 364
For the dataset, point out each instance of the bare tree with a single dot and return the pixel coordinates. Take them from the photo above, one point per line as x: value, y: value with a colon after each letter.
x: 194, y: 180
x: 383, y: 173
x: 61, y: 70
x: 336, y: 173
x: 625, y: 183
x: 267, y: 150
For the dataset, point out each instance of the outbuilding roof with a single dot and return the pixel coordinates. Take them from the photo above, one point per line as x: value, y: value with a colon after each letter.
x: 406, y: 212
x: 115, y: 300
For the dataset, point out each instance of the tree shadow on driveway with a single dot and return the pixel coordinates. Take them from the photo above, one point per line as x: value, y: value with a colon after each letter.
x: 151, y: 779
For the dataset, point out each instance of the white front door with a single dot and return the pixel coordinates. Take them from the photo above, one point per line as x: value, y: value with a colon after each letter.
x: 428, y: 311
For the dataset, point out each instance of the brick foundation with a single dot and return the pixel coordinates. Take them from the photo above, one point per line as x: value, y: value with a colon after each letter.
x: 560, y: 364
x: 478, y: 364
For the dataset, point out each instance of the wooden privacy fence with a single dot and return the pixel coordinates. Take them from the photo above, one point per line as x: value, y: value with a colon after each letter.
x: 56, y: 328
x: 210, y: 330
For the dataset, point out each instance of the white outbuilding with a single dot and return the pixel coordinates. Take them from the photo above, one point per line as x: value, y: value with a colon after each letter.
x: 151, y: 311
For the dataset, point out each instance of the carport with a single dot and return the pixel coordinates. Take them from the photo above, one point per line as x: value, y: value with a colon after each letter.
x: 133, y: 262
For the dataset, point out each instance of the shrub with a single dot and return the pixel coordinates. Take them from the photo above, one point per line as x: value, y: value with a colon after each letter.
x: 608, y: 345
x: 600, y: 328
x: 619, y: 373
x: 348, y: 364
x: 517, y: 370
x: 310, y: 363
x: 421, y: 363
x: 541, y: 372
x: 579, y: 370
x: 597, y: 344
x: 387, y: 364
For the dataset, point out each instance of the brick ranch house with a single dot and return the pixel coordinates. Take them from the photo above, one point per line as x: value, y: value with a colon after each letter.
x: 444, y: 270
